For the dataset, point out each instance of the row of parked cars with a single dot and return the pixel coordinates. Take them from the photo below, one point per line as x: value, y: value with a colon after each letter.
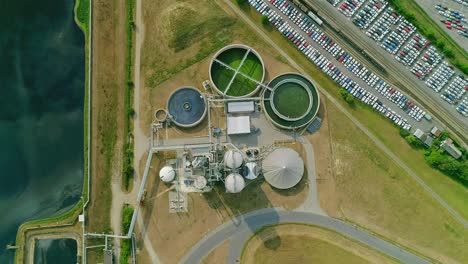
x: 414, y: 51
x: 462, y: 108
x: 395, y: 40
x: 312, y: 33
x: 369, y: 12
x: 430, y: 59
x: 440, y: 77
x: 455, y: 90
x: 349, y: 7
x: 383, y: 25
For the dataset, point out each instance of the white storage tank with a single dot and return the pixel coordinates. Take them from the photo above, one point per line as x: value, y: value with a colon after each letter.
x: 233, y: 159
x: 234, y: 183
x: 252, y: 171
x: 167, y: 174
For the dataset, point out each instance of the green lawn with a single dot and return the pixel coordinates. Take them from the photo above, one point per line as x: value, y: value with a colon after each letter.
x: 291, y: 100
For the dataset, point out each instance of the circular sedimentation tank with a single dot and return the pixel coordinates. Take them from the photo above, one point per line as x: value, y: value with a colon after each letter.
x: 186, y: 107
x: 291, y: 101
x: 233, y: 69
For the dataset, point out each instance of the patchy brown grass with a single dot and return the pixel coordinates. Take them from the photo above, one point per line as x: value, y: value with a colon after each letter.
x: 218, y: 255
x: 294, y: 243
x: 107, y: 111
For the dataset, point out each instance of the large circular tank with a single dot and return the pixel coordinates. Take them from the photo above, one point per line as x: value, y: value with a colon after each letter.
x: 167, y: 174
x: 229, y: 68
x: 283, y: 168
x: 186, y: 107
x: 233, y: 159
x: 234, y: 183
x: 291, y: 102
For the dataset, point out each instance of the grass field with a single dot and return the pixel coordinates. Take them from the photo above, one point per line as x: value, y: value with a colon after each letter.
x: 291, y: 100
x: 378, y: 195
x: 295, y: 243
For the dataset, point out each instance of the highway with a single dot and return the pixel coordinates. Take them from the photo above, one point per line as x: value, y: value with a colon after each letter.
x: 241, y: 228
x: 416, y: 88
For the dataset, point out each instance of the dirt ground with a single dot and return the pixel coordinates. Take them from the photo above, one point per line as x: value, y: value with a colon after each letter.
x: 108, y: 84
x: 218, y: 255
x: 312, y: 232
x: 321, y: 140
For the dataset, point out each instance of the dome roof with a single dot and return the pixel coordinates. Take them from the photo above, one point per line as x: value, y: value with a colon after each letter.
x: 167, y: 174
x: 233, y: 159
x: 200, y: 182
x: 234, y: 183
x: 283, y: 168
x: 252, y: 171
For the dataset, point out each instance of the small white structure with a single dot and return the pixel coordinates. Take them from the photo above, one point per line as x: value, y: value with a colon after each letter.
x: 241, y: 107
x: 252, y: 171
x: 234, y: 183
x: 233, y: 159
x: 167, y: 174
x: 237, y: 125
x: 200, y: 182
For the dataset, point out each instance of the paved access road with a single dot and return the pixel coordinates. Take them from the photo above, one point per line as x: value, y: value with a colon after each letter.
x: 242, y: 227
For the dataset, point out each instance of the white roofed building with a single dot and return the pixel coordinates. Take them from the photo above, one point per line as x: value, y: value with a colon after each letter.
x: 238, y: 125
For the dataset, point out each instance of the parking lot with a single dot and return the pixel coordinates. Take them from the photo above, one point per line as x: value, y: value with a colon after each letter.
x: 429, y: 7
x: 408, y: 53
x: 341, y: 66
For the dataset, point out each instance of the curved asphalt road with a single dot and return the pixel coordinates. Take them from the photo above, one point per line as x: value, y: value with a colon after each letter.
x: 241, y: 228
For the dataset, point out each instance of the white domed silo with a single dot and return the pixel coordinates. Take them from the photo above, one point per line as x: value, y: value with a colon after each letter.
x: 252, y: 171
x: 233, y: 159
x: 234, y: 183
x: 283, y: 168
x: 167, y: 174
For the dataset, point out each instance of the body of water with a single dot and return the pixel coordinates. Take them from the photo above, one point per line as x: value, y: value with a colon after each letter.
x: 41, y: 113
x: 51, y: 251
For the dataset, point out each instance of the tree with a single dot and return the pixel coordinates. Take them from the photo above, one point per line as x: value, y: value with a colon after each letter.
x: 448, y: 52
x: 440, y: 44
x: 404, y: 132
x: 413, y: 141
x: 241, y: 2
x: 265, y: 20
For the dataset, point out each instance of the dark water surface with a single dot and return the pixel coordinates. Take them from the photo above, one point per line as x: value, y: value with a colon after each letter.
x: 41, y: 112
x: 59, y: 251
